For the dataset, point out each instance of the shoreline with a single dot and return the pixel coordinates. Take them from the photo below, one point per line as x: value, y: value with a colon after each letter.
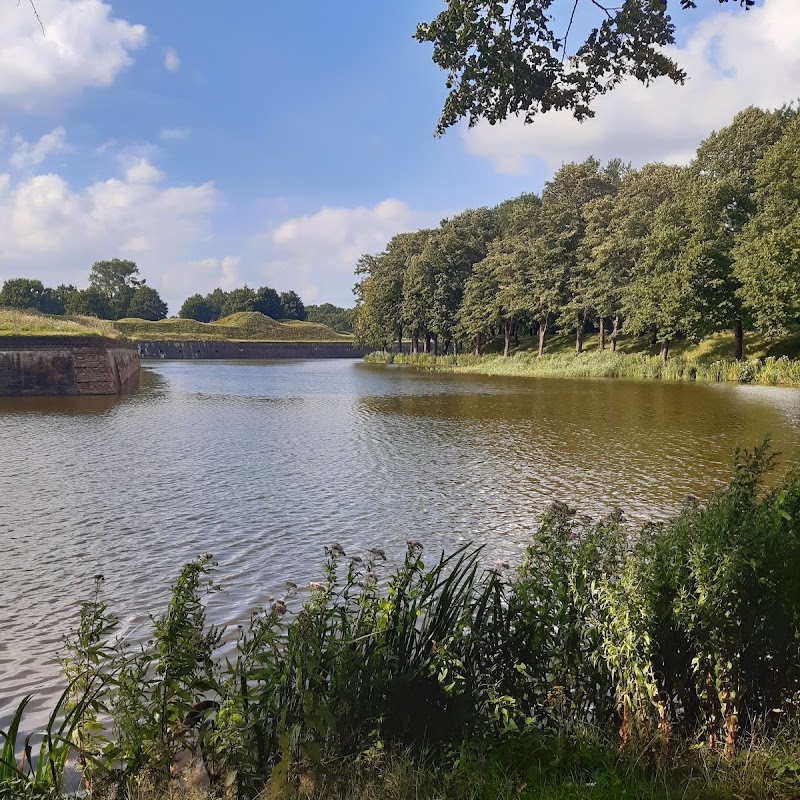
x: 770, y: 371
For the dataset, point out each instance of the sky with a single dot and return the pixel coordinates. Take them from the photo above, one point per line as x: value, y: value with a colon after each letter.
x: 223, y: 143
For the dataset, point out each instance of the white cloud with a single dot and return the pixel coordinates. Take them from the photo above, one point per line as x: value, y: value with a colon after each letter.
x: 29, y: 154
x: 142, y: 171
x: 83, y: 46
x: 171, y: 61
x: 174, y: 134
x: 52, y: 232
x: 733, y: 59
x: 200, y: 276
x: 315, y: 254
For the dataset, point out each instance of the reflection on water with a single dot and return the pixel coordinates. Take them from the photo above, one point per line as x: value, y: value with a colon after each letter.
x: 264, y: 463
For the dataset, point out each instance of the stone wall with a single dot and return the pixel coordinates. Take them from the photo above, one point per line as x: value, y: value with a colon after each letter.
x: 249, y: 350
x: 65, y: 365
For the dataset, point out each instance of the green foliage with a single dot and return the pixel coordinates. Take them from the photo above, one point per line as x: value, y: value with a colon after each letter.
x: 22, y: 293
x: 116, y: 280
x: 340, y: 319
x: 292, y: 306
x: 679, y: 642
x: 503, y: 61
x: 146, y: 303
x: 197, y: 308
x: 88, y: 303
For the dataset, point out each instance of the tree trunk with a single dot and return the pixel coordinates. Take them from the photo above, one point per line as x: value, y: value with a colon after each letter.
x: 580, y: 333
x: 415, y: 343
x: 542, y: 334
x: 653, y: 336
x: 602, y: 334
x: 399, y: 338
x: 664, y: 354
x: 436, y: 345
x: 427, y: 345
x: 738, y: 339
x: 614, y: 333
x: 507, y: 327
x: 478, y: 343
x: 515, y: 333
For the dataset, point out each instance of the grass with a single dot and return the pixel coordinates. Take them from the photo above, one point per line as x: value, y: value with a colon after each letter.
x: 767, y: 362
x: 14, y: 322
x: 247, y: 326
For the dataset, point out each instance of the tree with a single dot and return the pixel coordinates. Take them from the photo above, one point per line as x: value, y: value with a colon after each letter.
x: 678, y: 289
x: 563, y: 225
x: 513, y: 58
x: 198, y: 308
x: 292, y: 306
x: 243, y: 299
x: 116, y: 280
x: 268, y: 303
x: 766, y: 256
x: 89, y: 303
x: 478, y: 312
x: 22, y: 293
x: 146, y: 303
x: 340, y: 319
x: 614, y: 239
x: 726, y: 168
x: 216, y: 302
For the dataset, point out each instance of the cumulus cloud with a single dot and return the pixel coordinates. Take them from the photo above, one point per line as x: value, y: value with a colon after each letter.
x: 51, y: 231
x: 315, y: 254
x: 200, y: 276
x: 29, y: 154
x: 83, y: 45
x: 171, y: 61
x: 733, y: 60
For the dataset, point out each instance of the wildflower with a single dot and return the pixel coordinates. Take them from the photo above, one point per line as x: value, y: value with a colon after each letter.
x: 414, y: 544
x: 378, y: 553
x: 501, y: 565
x: 356, y: 560
x: 291, y: 588
x: 338, y: 550
x: 316, y: 587
x: 370, y: 579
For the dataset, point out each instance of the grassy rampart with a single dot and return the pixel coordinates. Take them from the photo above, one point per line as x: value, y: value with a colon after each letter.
x: 14, y: 322
x: 241, y: 327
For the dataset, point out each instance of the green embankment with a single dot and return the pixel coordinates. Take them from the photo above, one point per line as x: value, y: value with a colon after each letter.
x: 246, y: 326
x: 14, y: 322
x: 766, y: 362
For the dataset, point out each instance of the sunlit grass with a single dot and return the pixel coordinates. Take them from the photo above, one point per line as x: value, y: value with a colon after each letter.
x: 14, y: 322
x: 244, y: 326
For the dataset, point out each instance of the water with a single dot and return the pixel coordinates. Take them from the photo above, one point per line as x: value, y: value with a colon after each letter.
x: 262, y: 464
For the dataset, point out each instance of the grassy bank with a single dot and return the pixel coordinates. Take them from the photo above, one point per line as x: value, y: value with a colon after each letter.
x: 768, y: 362
x: 28, y: 323
x: 247, y: 326
x: 612, y: 662
x: 771, y: 371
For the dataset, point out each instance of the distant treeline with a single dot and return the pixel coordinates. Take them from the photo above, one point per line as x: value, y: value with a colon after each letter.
x: 286, y: 305
x: 115, y: 291
x: 669, y: 252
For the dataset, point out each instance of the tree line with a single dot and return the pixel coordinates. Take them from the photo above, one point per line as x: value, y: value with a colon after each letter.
x: 115, y: 291
x: 671, y: 253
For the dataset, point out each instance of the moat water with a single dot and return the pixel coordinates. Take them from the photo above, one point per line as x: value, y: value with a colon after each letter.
x: 262, y: 464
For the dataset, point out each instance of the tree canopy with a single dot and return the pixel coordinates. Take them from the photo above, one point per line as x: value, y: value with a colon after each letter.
x: 665, y: 252
x: 507, y: 58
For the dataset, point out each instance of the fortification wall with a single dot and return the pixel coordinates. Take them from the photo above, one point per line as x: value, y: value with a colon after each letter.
x: 65, y: 365
x: 248, y: 350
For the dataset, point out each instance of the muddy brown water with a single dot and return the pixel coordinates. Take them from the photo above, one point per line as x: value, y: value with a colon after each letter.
x: 262, y: 464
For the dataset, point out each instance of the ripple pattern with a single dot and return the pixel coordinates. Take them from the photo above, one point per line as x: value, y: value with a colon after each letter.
x: 262, y: 464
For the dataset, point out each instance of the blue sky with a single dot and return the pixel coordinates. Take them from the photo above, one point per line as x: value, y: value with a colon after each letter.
x: 273, y: 143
